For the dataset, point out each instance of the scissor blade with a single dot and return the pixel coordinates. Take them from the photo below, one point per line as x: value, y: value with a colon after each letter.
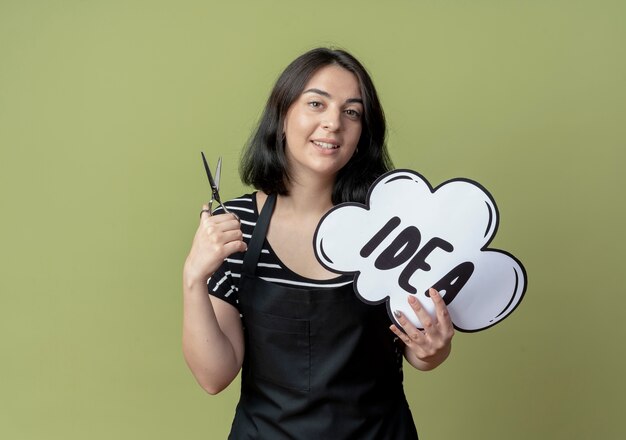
x: 218, y: 173
x: 208, y: 174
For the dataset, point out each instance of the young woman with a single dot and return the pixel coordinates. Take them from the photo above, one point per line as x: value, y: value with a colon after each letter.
x: 316, y: 362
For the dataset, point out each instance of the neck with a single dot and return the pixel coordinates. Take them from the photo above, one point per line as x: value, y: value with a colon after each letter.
x: 314, y: 197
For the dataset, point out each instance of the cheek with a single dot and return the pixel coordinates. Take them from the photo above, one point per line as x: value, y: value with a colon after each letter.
x: 297, y: 124
x: 355, y: 135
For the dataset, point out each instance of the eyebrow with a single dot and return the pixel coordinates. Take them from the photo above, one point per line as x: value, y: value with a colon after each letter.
x: 326, y: 94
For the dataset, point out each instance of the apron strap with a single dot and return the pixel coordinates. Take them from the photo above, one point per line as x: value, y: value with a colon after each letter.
x: 251, y: 258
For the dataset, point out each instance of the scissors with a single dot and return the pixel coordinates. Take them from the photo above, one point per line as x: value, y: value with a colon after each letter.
x: 215, y: 184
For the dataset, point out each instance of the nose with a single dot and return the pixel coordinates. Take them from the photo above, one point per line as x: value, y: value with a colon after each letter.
x: 331, y: 120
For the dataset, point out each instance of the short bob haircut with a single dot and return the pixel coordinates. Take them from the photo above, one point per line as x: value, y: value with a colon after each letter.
x: 264, y: 164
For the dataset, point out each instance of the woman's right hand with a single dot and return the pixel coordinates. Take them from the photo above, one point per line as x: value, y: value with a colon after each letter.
x: 217, y: 237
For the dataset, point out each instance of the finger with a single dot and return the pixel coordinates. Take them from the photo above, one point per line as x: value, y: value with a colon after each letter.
x: 443, y: 316
x: 231, y: 235
x: 235, y: 246
x: 412, y: 332
x: 220, y: 223
x: 424, y: 317
x: 212, y: 230
x: 224, y: 224
x: 400, y: 334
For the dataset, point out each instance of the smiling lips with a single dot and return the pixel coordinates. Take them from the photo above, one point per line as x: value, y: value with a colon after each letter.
x: 326, y: 145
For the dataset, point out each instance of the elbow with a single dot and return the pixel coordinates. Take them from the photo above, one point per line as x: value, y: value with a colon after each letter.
x: 212, y: 391
x: 211, y: 383
x: 213, y: 377
x: 213, y: 388
x: 214, y: 383
x: 208, y: 382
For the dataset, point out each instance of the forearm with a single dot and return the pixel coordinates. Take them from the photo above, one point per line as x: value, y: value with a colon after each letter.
x: 214, y: 354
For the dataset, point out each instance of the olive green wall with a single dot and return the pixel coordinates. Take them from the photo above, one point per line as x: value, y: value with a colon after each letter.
x: 105, y: 105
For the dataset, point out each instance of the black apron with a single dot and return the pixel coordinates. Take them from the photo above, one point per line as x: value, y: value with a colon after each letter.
x: 319, y: 363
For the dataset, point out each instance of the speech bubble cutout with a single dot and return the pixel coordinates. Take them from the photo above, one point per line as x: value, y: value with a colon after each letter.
x: 409, y: 237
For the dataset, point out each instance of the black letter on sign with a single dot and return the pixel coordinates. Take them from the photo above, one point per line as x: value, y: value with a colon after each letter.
x: 379, y: 237
x: 419, y: 262
x: 400, y: 249
x: 454, y: 281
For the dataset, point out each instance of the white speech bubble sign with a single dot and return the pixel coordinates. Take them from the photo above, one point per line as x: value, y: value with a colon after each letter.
x: 410, y: 236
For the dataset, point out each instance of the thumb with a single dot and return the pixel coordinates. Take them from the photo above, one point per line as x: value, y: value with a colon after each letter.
x: 206, y: 212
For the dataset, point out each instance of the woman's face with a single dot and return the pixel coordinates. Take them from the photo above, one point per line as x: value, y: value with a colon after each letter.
x: 323, y: 126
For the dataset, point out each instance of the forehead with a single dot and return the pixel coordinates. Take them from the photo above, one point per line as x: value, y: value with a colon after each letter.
x: 336, y: 81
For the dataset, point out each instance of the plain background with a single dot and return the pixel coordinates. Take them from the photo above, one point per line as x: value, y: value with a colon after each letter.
x: 104, y: 107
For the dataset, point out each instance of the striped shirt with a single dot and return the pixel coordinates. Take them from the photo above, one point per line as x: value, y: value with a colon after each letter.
x: 224, y: 283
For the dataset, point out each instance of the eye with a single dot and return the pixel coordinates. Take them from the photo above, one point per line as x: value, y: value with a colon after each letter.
x: 314, y: 104
x: 353, y: 114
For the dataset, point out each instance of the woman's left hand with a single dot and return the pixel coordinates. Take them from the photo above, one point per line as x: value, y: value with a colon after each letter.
x: 427, y: 348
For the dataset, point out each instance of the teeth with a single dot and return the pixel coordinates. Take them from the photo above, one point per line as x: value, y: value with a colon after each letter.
x: 326, y: 145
